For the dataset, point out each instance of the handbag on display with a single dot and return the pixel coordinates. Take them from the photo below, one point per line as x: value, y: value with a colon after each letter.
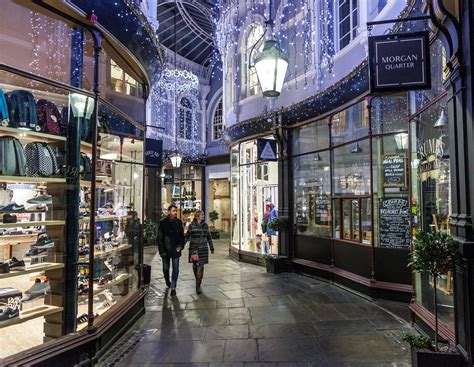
x: 12, y: 157
x: 22, y: 110
x: 49, y: 118
x: 40, y: 160
x: 4, y: 116
x: 86, y: 167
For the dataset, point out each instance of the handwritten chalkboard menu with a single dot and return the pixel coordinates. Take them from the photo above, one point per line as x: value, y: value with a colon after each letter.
x: 394, y: 222
x: 394, y: 170
x: 321, y: 210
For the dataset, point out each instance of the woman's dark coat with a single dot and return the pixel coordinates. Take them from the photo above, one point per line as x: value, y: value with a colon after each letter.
x: 200, y: 241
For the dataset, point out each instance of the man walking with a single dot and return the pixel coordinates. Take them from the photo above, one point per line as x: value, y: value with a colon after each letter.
x: 170, y: 245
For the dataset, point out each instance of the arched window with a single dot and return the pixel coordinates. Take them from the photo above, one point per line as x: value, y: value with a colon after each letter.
x: 347, y: 22
x: 217, y: 122
x: 185, y: 119
x: 255, y: 32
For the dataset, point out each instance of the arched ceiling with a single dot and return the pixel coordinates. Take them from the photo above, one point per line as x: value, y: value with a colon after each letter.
x: 194, y: 28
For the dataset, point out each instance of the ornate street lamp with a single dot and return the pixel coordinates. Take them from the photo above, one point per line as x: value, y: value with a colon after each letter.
x: 271, y: 63
x: 176, y: 159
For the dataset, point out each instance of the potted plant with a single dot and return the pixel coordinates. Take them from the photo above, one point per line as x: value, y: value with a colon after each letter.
x: 150, y: 229
x: 213, y: 216
x: 277, y: 224
x: 433, y: 253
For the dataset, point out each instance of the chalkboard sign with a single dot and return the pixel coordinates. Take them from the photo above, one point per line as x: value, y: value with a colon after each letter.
x: 321, y: 210
x: 394, y: 222
x: 394, y: 170
x: 302, y: 219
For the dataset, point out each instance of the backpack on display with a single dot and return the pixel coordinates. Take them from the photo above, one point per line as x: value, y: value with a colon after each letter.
x: 40, y: 160
x: 50, y: 119
x: 4, y: 117
x: 86, y: 168
x: 22, y: 110
x: 12, y: 157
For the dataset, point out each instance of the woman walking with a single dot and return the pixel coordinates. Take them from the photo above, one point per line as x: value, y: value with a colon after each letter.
x: 200, y: 243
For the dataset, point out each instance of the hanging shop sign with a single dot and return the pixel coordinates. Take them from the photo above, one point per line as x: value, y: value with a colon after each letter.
x: 267, y: 149
x: 394, y: 222
x: 399, y: 62
x: 394, y: 168
x: 153, y: 152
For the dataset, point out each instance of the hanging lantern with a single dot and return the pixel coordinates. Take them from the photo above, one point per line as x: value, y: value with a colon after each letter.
x: 271, y: 65
x: 176, y: 159
x: 401, y: 140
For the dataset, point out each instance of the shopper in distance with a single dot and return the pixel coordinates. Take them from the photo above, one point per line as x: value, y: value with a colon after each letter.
x: 170, y: 245
x: 200, y: 242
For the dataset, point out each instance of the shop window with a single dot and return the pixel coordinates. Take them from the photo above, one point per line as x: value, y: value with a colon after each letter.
x: 353, y: 219
x: 350, y: 124
x: 185, y: 119
x: 217, y: 122
x: 310, y: 138
x: 389, y: 114
x: 121, y: 81
x: 254, y: 34
x: 351, y: 169
x: 348, y: 21
x: 312, y: 187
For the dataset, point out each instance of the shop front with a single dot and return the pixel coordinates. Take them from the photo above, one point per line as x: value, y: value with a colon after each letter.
x: 254, y: 202
x: 71, y: 187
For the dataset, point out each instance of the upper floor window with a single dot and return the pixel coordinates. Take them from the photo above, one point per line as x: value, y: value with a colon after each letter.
x: 185, y: 119
x: 121, y: 81
x: 254, y: 34
x: 348, y: 21
x: 217, y: 122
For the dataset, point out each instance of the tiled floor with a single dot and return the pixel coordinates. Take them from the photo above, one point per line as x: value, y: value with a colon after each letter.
x: 246, y: 317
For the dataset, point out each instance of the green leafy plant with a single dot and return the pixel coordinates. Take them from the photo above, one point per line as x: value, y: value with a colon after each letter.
x: 213, y: 216
x: 267, y: 258
x: 418, y: 341
x: 434, y: 253
x: 150, y: 229
x: 277, y: 224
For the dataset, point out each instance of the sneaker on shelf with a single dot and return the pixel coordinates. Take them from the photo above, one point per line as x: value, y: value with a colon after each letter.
x: 34, y: 251
x: 16, y: 264
x: 39, y: 288
x: 103, y: 305
x: 83, y: 318
x: 109, y: 296
x: 44, y: 242
x: 13, y: 207
x: 102, y: 282
x: 41, y: 199
x: 8, y: 313
x: 82, y: 289
x: 4, y: 267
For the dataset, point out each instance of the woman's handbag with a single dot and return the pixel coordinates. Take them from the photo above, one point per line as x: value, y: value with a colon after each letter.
x: 194, y: 257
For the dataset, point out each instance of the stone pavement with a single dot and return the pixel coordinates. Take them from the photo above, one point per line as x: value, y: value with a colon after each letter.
x: 246, y: 317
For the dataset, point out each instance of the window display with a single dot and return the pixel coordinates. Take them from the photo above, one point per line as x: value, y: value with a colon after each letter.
x: 254, y: 188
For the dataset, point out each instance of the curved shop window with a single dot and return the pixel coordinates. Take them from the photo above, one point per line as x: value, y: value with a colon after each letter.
x: 254, y: 197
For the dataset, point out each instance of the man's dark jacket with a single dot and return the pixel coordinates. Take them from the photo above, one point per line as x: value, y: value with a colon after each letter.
x: 170, y: 237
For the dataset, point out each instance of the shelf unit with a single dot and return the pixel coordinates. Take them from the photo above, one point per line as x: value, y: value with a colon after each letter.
x: 33, y: 269
x: 31, y: 135
x: 121, y: 278
x: 33, y: 224
x: 27, y: 179
x: 102, y: 254
x: 105, y: 218
x: 31, y: 314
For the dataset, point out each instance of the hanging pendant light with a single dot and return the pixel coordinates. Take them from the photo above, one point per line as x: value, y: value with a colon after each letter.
x: 357, y: 148
x: 317, y: 157
x: 271, y: 63
x: 176, y: 159
x: 442, y: 120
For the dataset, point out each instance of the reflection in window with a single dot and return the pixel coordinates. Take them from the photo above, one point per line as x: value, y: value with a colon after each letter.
x: 347, y: 21
x: 186, y: 119
x: 350, y: 124
x: 254, y: 34
x: 121, y: 81
x: 354, y: 215
x: 217, y: 122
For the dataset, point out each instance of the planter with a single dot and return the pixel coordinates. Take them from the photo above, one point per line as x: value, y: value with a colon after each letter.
x: 276, y: 265
x: 428, y: 358
x: 215, y: 235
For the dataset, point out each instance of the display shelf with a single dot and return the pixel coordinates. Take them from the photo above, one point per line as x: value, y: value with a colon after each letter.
x: 24, y: 212
x: 33, y: 224
x: 86, y: 147
x: 121, y: 278
x: 105, y: 218
x: 32, y: 269
x: 26, y: 179
x: 102, y: 254
x: 88, y: 184
x: 31, y: 314
x: 31, y: 135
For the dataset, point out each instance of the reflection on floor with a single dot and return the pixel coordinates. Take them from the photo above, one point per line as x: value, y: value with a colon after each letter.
x: 248, y: 317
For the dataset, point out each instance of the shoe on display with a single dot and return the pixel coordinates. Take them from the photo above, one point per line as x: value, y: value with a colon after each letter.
x: 13, y: 207
x: 16, y: 264
x: 83, y: 318
x: 34, y: 251
x: 9, y: 218
x: 8, y: 314
x: 36, y: 208
x: 41, y: 199
x: 104, y: 304
x: 102, y: 282
x: 4, y: 268
x: 43, y: 242
x: 39, y: 288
